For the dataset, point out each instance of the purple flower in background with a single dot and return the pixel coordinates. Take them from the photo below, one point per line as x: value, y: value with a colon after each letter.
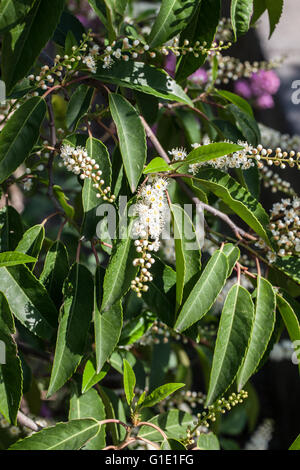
x: 199, y: 77
x: 243, y: 88
x: 170, y: 64
x: 265, y: 101
x: 264, y: 82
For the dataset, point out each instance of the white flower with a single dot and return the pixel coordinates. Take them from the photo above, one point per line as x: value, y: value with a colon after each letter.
x: 178, y: 153
x: 89, y: 61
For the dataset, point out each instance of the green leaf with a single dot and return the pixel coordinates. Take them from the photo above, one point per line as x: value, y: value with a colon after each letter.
x: 67, y: 23
x: 23, y: 44
x: 241, y: 12
x: 172, y: 444
x: 204, y: 293
x: 20, y: 134
x: 55, y: 271
x: 89, y: 405
x: 12, y: 12
x: 174, y: 423
x: 290, y: 265
x: 161, y: 292
x: 120, y: 270
x: 208, y: 152
x: 132, y: 137
x: 28, y: 300
x: 72, y: 435
x: 237, y: 198
x: 11, y: 228
x: 63, y: 201
x: 145, y: 78
x: 99, y: 8
x: 160, y: 394
x: 232, y: 341
x: 90, y: 376
x: 10, y: 366
x: 157, y: 165
x: 172, y: 18
x: 97, y: 151
x: 202, y: 28
x: 262, y: 329
x: 129, y: 381
x: 108, y: 326
x: 136, y: 327
x: 290, y: 320
x: 275, y: 8
x: 78, y: 105
x: 208, y: 441
x: 31, y: 242
x: 246, y: 124
x: 296, y: 444
x: 188, y: 254
x: 233, y: 254
x: 12, y: 258
x: 73, y: 327
x: 237, y: 100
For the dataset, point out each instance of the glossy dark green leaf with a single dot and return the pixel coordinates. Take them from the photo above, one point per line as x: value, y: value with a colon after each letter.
x: 145, y: 78
x: 63, y: 201
x: 55, y: 271
x: 172, y: 18
x: 67, y: 23
x: 290, y: 265
x: 232, y: 341
x: 132, y: 137
x: 28, y: 300
x: 10, y: 365
x: 90, y: 376
x: 275, y: 9
x: 78, y: 105
x: 208, y: 441
x: 160, y: 394
x: 208, y: 152
x: 156, y: 165
x: 23, y: 44
x: 290, y: 320
x: 241, y: 12
x: 20, y: 134
x: 262, y: 328
x: 73, y: 327
x: 108, y: 326
x: 174, y: 423
x: 129, y: 381
x: 88, y: 405
x: 72, y: 435
x: 11, y: 228
x: 204, y: 293
x: 246, y: 124
x: 12, y: 12
x: 97, y: 151
x: 232, y: 253
x: 13, y: 258
x: 120, y: 270
x: 202, y: 28
x: 31, y: 242
x: 237, y: 100
x: 188, y: 254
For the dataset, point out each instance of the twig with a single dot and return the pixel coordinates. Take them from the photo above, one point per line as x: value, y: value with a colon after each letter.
x: 29, y: 423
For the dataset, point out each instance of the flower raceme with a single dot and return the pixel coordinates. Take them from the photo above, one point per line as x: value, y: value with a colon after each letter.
x: 151, y: 210
x: 77, y: 161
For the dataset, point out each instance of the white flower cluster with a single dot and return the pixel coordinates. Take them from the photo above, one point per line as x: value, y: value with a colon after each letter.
x: 224, y: 30
x: 282, y: 351
x: 285, y: 228
x: 261, y: 438
x: 133, y: 48
x: 245, y: 157
x: 77, y: 161
x: 151, y: 210
x: 273, y: 138
x: 275, y: 182
x: 241, y: 159
x: 231, y: 68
